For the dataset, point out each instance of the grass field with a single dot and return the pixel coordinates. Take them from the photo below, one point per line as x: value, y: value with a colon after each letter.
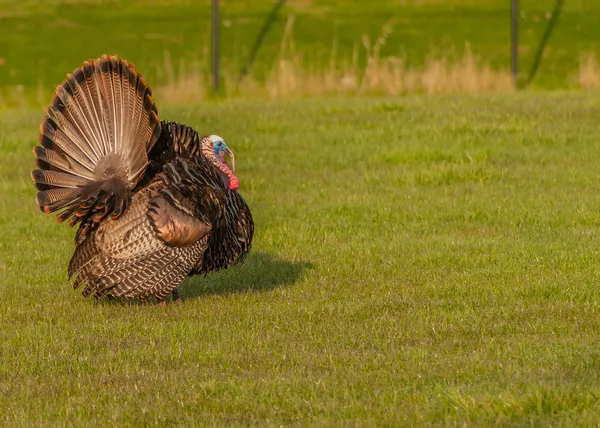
x: 418, y: 260
x: 169, y: 40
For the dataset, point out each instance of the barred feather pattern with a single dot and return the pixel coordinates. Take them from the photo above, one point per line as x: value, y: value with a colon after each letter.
x: 230, y: 244
x: 137, y: 256
x: 152, y: 207
x: 126, y: 258
x: 131, y: 257
x: 233, y: 228
x: 94, y: 142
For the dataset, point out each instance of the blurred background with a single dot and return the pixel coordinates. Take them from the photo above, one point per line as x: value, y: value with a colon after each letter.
x: 300, y: 48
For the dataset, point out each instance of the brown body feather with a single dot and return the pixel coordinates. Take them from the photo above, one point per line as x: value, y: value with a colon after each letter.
x: 151, y: 208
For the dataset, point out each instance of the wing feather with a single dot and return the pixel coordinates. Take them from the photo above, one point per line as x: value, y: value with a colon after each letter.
x: 146, y: 252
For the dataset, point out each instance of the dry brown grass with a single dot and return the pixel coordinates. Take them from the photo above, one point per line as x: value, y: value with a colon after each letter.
x: 15, y: 96
x: 589, y: 73
x: 20, y: 96
x: 383, y: 75
x: 292, y: 77
x: 188, y: 85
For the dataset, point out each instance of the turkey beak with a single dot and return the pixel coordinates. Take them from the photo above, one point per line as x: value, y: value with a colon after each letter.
x: 229, y: 153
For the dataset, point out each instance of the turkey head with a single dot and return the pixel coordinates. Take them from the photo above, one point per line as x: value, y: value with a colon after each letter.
x: 215, y: 150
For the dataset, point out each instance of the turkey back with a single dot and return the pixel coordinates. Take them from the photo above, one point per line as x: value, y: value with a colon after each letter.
x: 94, y: 142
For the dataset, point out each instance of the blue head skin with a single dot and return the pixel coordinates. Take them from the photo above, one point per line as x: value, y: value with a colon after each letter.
x: 219, y: 146
x: 221, y: 150
x: 215, y: 149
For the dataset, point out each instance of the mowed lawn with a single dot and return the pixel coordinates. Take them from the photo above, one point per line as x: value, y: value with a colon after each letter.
x: 420, y: 260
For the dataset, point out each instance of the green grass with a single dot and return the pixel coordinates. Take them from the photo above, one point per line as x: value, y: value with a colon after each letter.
x: 423, y: 260
x: 41, y: 41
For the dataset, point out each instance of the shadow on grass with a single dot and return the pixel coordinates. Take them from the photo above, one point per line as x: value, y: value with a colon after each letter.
x: 260, y: 272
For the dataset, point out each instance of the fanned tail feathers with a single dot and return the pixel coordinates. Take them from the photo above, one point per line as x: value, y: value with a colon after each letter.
x: 94, y: 141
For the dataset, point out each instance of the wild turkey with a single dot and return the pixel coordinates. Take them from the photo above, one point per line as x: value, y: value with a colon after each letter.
x: 154, y: 202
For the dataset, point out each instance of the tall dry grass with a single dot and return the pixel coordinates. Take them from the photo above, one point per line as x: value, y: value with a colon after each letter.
x: 381, y: 75
x: 588, y: 76
x: 186, y: 85
x: 366, y: 72
x: 291, y: 76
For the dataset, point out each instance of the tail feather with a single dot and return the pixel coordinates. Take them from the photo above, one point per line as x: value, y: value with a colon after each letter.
x: 95, y: 141
x: 65, y: 140
x: 66, y: 214
x: 50, y: 160
x: 43, y: 179
x: 55, y: 199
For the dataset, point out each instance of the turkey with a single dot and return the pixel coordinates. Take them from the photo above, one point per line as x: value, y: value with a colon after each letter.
x: 154, y: 202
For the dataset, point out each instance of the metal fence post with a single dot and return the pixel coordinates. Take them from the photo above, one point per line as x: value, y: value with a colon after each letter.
x: 514, y: 41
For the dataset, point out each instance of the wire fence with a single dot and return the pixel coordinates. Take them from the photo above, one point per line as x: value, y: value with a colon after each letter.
x: 518, y: 82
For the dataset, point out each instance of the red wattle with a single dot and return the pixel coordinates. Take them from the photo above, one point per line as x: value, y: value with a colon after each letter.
x: 234, y: 184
